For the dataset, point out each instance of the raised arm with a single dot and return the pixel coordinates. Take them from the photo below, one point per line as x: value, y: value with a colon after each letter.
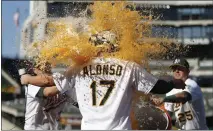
x: 163, y: 86
x: 181, y: 97
x: 146, y: 82
x: 42, y: 80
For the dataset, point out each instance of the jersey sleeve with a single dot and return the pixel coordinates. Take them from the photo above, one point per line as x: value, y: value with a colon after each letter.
x: 194, y: 91
x: 63, y: 83
x: 72, y: 94
x: 169, y: 106
x: 32, y: 90
x: 143, y: 81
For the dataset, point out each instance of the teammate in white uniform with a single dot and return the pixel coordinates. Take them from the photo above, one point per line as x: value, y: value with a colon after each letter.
x: 41, y: 113
x: 34, y: 110
x: 104, y: 89
x: 187, y: 104
x: 36, y: 117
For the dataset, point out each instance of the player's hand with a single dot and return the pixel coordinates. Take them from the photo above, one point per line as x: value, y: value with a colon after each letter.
x: 24, y: 79
x: 179, y: 84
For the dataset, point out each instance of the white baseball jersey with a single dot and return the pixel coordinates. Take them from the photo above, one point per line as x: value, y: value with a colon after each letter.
x: 42, y: 114
x: 190, y: 115
x: 104, y: 91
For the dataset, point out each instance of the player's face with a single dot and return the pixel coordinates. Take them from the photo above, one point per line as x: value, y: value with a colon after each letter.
x: 180, y: 72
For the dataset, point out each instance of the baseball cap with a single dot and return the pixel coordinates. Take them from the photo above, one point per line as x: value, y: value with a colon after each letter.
x: 180, y: 62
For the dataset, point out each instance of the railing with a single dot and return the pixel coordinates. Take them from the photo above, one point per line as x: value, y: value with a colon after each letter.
x: 178, y: 23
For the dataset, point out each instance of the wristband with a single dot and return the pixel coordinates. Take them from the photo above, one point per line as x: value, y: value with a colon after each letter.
x: 40, y: 93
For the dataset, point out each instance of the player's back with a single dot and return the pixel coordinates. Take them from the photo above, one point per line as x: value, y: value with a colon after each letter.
x: 35, y: 116
x: 104, y: 92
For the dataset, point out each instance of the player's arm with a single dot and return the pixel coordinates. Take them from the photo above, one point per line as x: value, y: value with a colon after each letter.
x: 181, y: 97
x: 146, y: 82
x: 42, y: 80
x: 62, y: 84
x: 52, y: 91
x: 47, y: 92
x: 163, y: 86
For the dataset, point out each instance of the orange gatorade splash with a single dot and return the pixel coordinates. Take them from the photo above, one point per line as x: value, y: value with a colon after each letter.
x: 68, y: 46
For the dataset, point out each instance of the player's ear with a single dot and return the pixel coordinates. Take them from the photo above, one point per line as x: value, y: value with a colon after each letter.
x: 188, y: 71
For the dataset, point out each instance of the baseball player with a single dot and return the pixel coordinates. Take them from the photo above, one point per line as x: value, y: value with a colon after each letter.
x: 41, y: 113
x: 187, y: 104
x: 104, y: 87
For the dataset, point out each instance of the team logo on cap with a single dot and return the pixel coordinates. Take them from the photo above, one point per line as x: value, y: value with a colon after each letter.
x: 177, y: 61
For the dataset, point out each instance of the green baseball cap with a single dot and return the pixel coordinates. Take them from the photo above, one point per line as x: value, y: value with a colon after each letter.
x: 180, y: 62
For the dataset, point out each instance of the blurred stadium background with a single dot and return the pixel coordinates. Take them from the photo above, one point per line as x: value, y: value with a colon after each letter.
x: 190, y: 22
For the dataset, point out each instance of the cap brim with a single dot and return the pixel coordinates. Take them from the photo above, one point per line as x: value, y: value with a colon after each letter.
x: 171, y: 66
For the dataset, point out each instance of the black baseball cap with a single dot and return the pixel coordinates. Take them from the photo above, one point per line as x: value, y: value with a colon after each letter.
x: 180, y: 62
